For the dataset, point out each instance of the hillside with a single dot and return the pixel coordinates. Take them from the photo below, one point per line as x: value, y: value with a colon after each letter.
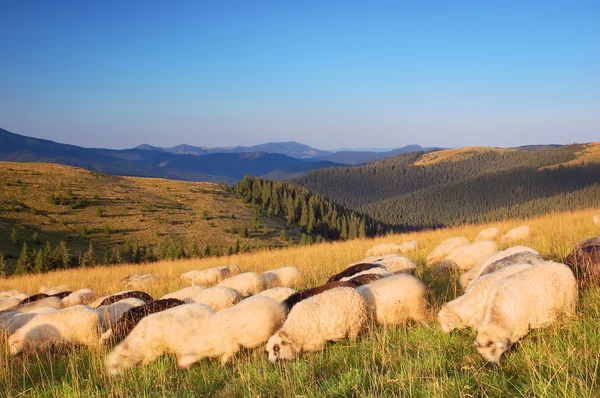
x: 359, y: 157
x: 405, y: 360
x: 450, y: 187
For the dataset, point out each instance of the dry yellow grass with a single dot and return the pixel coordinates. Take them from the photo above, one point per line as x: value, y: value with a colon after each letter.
x: 589, y: 154
x: 457, y: 154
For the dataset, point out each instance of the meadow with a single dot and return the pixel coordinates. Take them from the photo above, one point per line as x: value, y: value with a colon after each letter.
x: 407, y: 360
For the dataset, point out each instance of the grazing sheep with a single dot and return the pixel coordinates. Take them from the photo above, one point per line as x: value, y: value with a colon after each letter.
x: 397, y: 264
x: 512, y: 255
x: 10, y: 293
x: 373, y: 271
x: 466, y: 257
x: 396, y: 299
x: 140, y: 281
x: 445, y: 248
x: 246, y: 284
x: 210, y: 276
x: 329, y: 316
x: 54, y: 290
x: 133, y: 316
x: 519, y: 233
x: 74, y: 325
x: 596, y: 220
x: 282, y: 277
x: 10, y: 324
x: 217, y: 298
x: 389, y: 248
x: 297, y: 297
x: 533, y: 298
x: 157, y: 334
x: 81, y: 296
x: 365, y: 279
x: 110, y: 314
x: 488, y: 234
x: 184, y: 293
x: 248, y: 324
x: 467, y: 310
x: 145, y: 297
x: 8, y: 303
x: 354, y: 270
x: 584, y: 260
x: 45, y: 302
x: 34, y: 298
x: 278, y: 294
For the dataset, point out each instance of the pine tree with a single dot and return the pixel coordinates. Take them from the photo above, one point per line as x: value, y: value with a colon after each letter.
x: 4, y: 271
x: 40, y: 263
x: 62, y: 255
x: 89, y: 257
x: 24, y: 263
x: 36, y: 238
x: 14, y: 237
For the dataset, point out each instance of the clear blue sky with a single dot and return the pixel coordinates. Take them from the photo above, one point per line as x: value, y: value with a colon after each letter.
x: 329, y: 74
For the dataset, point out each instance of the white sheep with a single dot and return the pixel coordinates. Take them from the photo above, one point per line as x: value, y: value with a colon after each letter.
x: 45, y: 302
x: 210, y: 276
x: 248, y: 324
x: 10, y: 324
x: 467, y: 278
x: 74, y: 325
x: 395, y: 263
x: 110, y: 314
x: 533, y: 298
x: 246, y: 284
x: 278, y: 294
x: 52, y: 290
x: 596, y: 220
x: 329, y: 316
x: 141, y: 281
x: 466, y: 257
x: 157, y: 334
x: 10, y: 293
x: 81, y: 296
x: 184, y: 293
x: 282, y: 277
x: 519, y: 233
x: 488, y: 234
x: 447, y: 246
x: 8, y: 303
x: 467, y: 310
x: 371, y: 271
x: 391, y: 248
x: 218, y: 298
x: 396, y: 299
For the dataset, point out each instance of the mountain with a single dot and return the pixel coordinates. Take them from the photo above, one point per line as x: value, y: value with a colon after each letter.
x: 359, y: 157
x: 148, y: 162
x: 292, y: 149
x: 473, y: 184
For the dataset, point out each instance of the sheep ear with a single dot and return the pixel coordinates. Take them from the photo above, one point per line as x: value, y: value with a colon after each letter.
x: 503, y: 344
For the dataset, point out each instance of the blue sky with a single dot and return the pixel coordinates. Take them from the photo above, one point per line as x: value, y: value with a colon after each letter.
x: 329, y: 74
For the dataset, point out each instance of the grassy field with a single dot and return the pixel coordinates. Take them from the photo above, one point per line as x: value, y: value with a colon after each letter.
x: 139, y: 210
x: 409, y: 360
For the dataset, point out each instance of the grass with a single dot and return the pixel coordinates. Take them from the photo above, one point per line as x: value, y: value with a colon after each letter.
x: 457, y: 154
x: 139, y: 210
x: 589, y: 154
x: 408, y: 360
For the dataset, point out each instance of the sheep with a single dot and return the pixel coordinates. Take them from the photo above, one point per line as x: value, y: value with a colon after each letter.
x: 133, y: 316
x: 397, y: 264
x: 16, y: 320
x: 104, y: 301
x: 354, y: 270
x: 183, y: 293
x: 596, y: 220
x: 396, y: 299
x: 301, y: 295
x: 365, y: 279
x: 466, y: 257
x: 373, y: 271
x: 527, y: 255
x: 247, y: 284
x: 524, y: 257
x: 282, y: 277
x: 8, y: 303
x: 248, y: 324
x: 45, y: 302
x: 81, y: 296
x: 155, y: 335
x: 488, y: 234
x: 584, y: 260
x: 34, y: 298
x: 447, y: 246
x: 54, y: 290
x: 278, y: 294
x: 388, y: 248
x: 520, y: 233
x: 110, y: 314
x: 217, y: 298
x: 74, y: 325
x: 533, y: 298
x: 329, y: 316
x: 10, y: 293
x: 210, y: 276
x: 467, y: 310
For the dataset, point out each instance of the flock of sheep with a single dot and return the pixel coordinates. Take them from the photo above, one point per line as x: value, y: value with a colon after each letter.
x: 506, y: 294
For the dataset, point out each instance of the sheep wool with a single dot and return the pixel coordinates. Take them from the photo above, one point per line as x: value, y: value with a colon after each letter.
x: 467, y: 310
x: 45, y: 302
x: 533, y: 298
x: 278, y: 294
x: 246, y: 325
x: 53, y: 290
x: 8, y: 303
x: 74, y: 325
x: 81, y: 296
x: 110, y: 314
x: 282, y: 277
x: 466, y: 257
x: 217, y: 298
x: 520, y: 233
x: 488, y: 234
x: 329, y: 316
x: 445, y: 248
x: 157, y: 334
x: 396, y: 299
x: 210, y: 276
x: 596, y: 220
x: 10, y: 324
x: 10, y: 293
x: 373, y: 271
x: 184, y: 293
x: 246, y: 284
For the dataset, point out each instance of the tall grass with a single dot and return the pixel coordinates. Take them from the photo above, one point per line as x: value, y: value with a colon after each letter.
x: 408, y: 360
